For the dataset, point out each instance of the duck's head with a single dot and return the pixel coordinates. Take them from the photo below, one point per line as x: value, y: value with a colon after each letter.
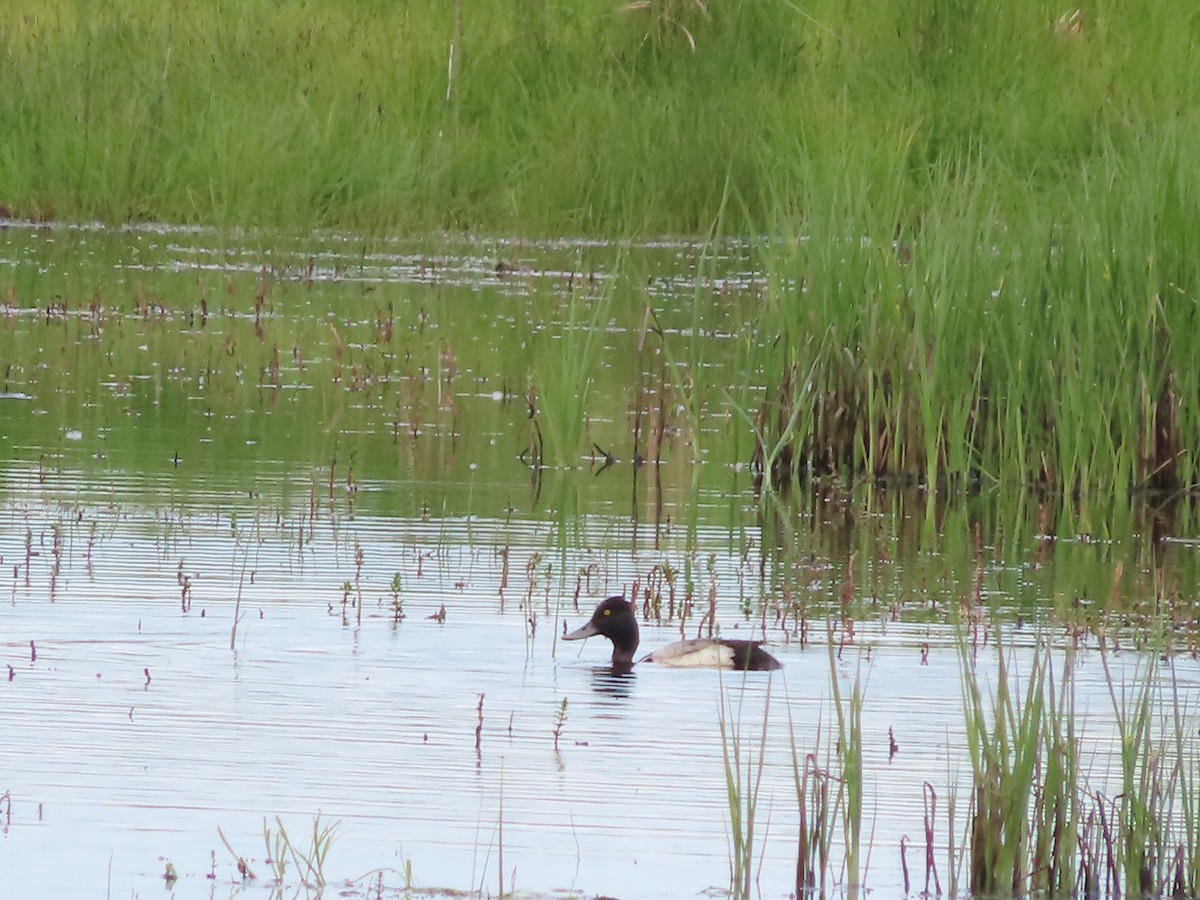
x: 613, y: 619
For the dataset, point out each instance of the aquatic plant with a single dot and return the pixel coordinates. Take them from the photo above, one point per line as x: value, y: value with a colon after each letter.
x: 560, y: 720
x: 1024, y: 778
x: 1036, y: 825
x: 309, y: 861
x: 743, y: 779
x: 1148, y: 835
x: 849, y: 750
x: 276, y: 857
x: 397, y: 603
x: 971, y: 347
x: 817, y: 804
x: 564, y: 362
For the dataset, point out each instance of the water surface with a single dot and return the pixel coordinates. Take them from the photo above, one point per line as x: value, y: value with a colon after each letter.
x: 342, y: 470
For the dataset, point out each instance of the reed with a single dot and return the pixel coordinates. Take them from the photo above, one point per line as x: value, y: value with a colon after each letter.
x: 275, y: 844
x: 565, y: 356
x: 309, y: 861
x: 1059, y: 779
x: 1185, y: 777
x: 1036, y: 826
x: 848, y: 715
x: 560, y: 720
x: 971, y: 345
x: 818, y: 796
x: 743, y: 779
x: 1147, y: 845
x: 1025, y: 777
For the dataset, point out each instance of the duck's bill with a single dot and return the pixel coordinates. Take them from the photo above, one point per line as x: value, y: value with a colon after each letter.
x: 587, y: 631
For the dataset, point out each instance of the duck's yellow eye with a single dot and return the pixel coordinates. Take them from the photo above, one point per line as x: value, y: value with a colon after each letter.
x: 608, y: 612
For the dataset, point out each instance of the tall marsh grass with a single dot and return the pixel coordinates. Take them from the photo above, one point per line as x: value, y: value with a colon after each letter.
x: 600, y: 116
x: 1024, y: 805
x: 1042, y: 820
x: 988, y: 338
x: 848, y: 716
x: 565, y: 358
x: 1151, y: 849
x: 743, y: 780
x: 978, y: 223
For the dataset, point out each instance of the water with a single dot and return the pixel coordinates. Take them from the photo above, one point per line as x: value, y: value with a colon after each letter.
x: 153, y: 497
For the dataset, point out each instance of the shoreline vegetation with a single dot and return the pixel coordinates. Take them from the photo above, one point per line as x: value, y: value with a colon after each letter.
x: 976, y: 224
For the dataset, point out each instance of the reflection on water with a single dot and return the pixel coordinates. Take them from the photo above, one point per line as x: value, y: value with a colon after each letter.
x: 614, y: 684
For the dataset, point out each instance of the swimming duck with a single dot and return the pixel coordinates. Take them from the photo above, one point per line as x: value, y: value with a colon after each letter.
x: 614, y: 619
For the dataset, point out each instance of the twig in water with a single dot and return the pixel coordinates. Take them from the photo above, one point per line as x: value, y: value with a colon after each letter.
x: 243, y: 869
x: 560, y: 719
x: 237, y: 609
x: 930, y: 799
x: 479, y: 729
x: 500, y: 830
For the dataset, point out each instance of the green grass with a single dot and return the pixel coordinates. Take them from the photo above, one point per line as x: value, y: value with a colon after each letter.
x: 1153, y: 847
x: 526, y: 116
x: 1024, y: 780
x: 998, y: 340
x: 976, y: 227
x: 817, y: 808
x: 743, y: 780
x: 308, y: 862
x: 849, y: 742
x: 1040, y: 822
x: 564, y: 352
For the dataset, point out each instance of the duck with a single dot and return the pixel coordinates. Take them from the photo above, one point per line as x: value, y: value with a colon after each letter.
x: 614, y: 619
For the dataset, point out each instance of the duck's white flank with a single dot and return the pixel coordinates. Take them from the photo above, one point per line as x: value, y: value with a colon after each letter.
x: 695, y: 653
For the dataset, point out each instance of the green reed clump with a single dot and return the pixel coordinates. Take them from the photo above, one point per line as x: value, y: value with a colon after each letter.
x: 829, y: 793
x: 991, y: 298
x: 1151, y: 849
x: 986, y: 337
x: 1140, y: 836
x: 816, y: 805
x: 1025, y: 778
x: 565, y: 358
x: 1037, y: 826
x: 309, y: 861
x: 1184, y: 870
x: 1056, y: 802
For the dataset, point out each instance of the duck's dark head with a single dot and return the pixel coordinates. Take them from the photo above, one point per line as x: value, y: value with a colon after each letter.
x: 613, y: 619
